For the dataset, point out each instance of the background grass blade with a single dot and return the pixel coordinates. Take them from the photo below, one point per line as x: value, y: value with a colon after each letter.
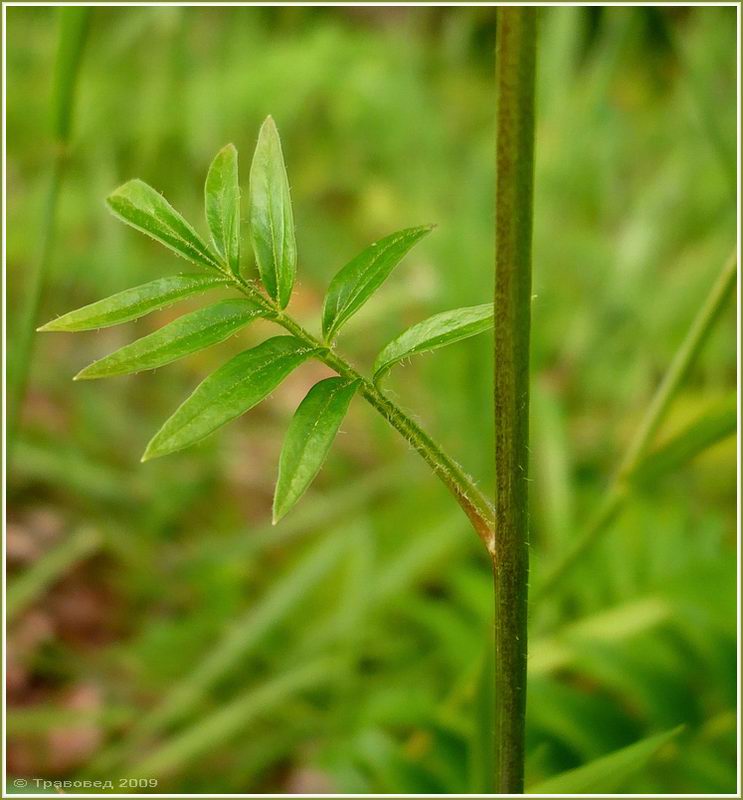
x: 229, y: 392
x: 309, y: 438
x: 714, y: 426
x: 225, y: 655
x: 355, y: 283
x: 222, y: 203
x: 271, y: 219
x: 134, y: 303
x: 145, y: 209
x: 25, y: 589
x: 73, y: 29
x: 434, y: 332
x: 609, y: 773
x: 616, y: 494
x: 187, y: 334
x: 211, y: 731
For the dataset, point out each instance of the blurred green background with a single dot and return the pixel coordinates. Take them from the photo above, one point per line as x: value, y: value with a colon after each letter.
x: 158, y: 626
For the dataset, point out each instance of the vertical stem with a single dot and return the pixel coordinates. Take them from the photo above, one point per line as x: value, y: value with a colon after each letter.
x: 515, y: 65
x: 72, y: 33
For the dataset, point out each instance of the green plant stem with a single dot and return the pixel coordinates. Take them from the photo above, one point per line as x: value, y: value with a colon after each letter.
x: 472, y: 500
x: 619, y: 488
x: 515, y: 68
x: 73, y: 23
x: 18, y: 374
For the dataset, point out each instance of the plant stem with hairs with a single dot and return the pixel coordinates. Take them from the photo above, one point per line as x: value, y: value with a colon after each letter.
x: 515, y: 67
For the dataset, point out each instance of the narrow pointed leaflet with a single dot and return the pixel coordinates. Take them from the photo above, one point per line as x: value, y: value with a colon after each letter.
x: 222, y: 204
x: 229, y: 392
x: 355, y: 283
x: 271, y: 219
x: 134, y: 303
x: 145, y: 209
x: 187, y: 334
x: 434, y: 332
x: 309, y: 439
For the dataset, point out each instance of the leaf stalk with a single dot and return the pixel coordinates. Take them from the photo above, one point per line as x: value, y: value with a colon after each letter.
x: 473, y: 501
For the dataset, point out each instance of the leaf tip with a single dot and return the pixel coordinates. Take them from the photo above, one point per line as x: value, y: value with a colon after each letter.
x: 87, y: 373
x: 276, y: 514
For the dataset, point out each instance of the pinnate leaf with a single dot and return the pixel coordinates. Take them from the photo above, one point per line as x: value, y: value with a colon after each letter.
x: 222, y: 203
x: 309, y: 438
x: 434, y: 332
x: 145, y: 209
x: 355, y: 283
x: 608, y: 774
x: 187, y: 334
x: 134, y: 303
x: 229, y: 392
x: 271, y: 219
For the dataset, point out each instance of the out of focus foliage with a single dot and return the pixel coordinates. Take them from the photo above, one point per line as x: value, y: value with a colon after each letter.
x: 160, y: 627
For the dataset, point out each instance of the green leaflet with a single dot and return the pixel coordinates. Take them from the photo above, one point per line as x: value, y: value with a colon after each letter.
x: 309, y: 438
x: 222, y: 204
x: 271, y: 220
x: 434, y: 332
x: 704, y: 432
x: 608, y: 774
x: 134, y: 303
x: 355, y: 283
x: 140, y: 206
x: 227, y: 393
x: 187, y: 334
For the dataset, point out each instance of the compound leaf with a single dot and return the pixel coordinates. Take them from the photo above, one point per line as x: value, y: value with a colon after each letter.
x: 222, y: 203
x: 134, y: 303
x: 271, y: 220
x: 355, y: 283
x: 227, y: 393
x: 309, y: 438
x: 434, y: 332
x: 145, y: 209
x: 185, y: 335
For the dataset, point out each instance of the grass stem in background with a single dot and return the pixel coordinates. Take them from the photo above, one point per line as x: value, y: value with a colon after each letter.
x: 619, y: 487
x: 515, y: 68
x: 72, y: 34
